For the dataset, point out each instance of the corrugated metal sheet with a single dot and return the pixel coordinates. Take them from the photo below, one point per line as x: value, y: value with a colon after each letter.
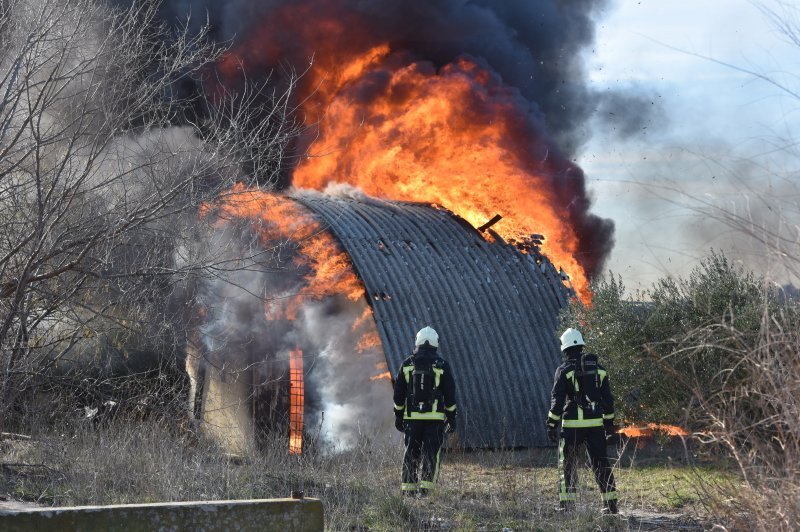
x: 495, y: 309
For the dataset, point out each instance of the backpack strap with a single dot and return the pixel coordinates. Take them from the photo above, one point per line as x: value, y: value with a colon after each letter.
x: 408, y: 367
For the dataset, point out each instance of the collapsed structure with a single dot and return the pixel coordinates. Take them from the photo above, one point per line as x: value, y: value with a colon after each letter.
x: 495, y: 305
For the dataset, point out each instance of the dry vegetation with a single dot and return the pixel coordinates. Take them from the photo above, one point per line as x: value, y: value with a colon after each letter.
x: 752, y: 418
x: 107, y: 153
x: 717, y: 353
x: 505, y: 490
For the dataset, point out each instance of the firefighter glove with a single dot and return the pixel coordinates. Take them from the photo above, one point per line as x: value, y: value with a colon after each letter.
x: 399, y: 424
x: 609, y: 427
x: 552, y: 433
x: 450, y: 424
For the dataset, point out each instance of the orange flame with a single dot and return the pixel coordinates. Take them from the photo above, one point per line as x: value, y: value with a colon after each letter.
x: 455, y: 136
x: 420, y: 140
x: 647, y: 430
x: 366, y: 317
x: 280, y: 221
x: 385, y: 375
x: 368, y: 340
x: 296, y: 401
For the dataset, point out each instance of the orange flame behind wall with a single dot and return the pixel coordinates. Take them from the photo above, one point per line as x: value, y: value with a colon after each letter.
x: 296, y: 401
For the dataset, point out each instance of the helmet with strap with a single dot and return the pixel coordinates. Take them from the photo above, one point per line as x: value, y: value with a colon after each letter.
x: 427, y: 335
x: 571, y: 338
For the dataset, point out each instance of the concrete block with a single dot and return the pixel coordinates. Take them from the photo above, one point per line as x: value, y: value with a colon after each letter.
x: 267, y: 515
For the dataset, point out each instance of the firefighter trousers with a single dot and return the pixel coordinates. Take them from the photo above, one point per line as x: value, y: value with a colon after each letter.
x: 423, y: 449
x: 595, y: 440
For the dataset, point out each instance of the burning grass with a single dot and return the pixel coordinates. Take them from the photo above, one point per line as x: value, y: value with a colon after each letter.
x: 359, y: 488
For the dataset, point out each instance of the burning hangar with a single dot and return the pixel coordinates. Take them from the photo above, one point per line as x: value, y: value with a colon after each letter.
x: 494, y: 304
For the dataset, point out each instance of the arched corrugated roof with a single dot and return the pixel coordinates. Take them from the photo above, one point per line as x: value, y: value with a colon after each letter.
x: 494, y: 307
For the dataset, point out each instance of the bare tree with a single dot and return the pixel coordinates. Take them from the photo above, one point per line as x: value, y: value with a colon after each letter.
x: 105, y: 157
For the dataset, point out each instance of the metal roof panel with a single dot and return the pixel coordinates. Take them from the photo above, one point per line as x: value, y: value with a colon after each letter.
x: 495, y: 309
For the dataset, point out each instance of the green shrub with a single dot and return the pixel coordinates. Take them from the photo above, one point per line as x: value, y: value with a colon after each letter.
x: 649, y: 342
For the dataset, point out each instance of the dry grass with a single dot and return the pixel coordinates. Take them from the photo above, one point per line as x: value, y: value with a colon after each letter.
x: 514, y: 490
x: 753, y: 419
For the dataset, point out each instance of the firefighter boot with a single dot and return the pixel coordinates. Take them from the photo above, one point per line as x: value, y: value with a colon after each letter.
x: 566, y: 506
x: 610, y: 507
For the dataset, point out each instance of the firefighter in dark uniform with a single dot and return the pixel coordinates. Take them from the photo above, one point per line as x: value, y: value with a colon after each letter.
x: 424, y: 409
x: 581, y: 402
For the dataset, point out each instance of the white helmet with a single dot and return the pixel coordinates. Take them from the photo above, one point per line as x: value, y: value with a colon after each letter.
x: 570, y: 338
x: 428, y: 335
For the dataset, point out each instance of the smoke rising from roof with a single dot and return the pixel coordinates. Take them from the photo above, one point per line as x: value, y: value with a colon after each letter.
x: 533, y: 47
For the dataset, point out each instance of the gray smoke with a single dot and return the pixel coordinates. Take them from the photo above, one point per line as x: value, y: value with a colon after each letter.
x: 353, y: 407
x: 254, y: 315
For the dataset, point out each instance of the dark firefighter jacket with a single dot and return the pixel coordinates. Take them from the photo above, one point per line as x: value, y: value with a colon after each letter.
x: 565, y: 404
x: 444, y: 382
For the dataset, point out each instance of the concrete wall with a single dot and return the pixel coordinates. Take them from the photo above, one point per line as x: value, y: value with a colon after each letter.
x: 227, y: 406
x: 269, y: 515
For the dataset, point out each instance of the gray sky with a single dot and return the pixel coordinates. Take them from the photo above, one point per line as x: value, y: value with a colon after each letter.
x: 718, y: 140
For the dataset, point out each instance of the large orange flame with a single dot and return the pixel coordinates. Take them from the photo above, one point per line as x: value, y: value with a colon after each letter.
x: 402, y: 129
x: 441, y: 137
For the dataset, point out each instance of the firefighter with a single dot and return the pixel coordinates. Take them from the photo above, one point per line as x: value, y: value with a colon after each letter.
x: 424, y: 409
x: 581, y: 402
